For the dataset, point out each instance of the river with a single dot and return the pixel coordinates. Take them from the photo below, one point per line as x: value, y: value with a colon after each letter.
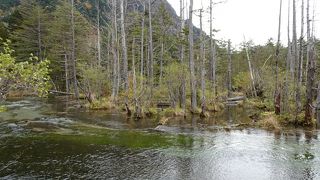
x: 48, y: 139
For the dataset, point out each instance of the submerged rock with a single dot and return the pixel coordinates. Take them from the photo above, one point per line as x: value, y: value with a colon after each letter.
x: 48, y: 124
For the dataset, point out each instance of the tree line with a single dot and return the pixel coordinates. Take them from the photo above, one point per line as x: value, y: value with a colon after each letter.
x: 137, y: 53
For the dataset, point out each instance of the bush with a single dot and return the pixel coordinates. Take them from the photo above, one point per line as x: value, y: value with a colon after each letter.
x: 94, y: 80
x: 31, y: 75
x: 270, y: 122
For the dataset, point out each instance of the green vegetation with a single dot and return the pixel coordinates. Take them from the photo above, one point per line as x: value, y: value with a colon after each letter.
x: 135, y: 59
x: 31, y: 76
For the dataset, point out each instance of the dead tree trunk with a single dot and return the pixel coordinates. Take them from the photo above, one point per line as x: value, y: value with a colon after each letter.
x: 191, y: 62
x: 311, y: 72
x: 142, y: 45
x: 254, y: 92
x: 277, y: 96
x: 212, y: 53
x: 124, y: 48
x: 294, y: 41
x: 66, y: 71
x: 203, y: 81
x: 301, y: 49
x: 39, y: 29
x: 114, y: 40
x: 137, y: 112
x: 151, y: 81
x: 73, y: 49
x: 161, y: 61
x: 300, y: 61
x: 98, y: 32
x: 318, y: 105
x: 182, y: 51
x: 229, y: 70
x: 285, y: 98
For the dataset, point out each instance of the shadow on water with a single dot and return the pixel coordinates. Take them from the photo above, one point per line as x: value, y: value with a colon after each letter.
x: 54, y: 140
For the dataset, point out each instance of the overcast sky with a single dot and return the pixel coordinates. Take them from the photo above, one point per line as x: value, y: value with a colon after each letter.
x: 256, y: 19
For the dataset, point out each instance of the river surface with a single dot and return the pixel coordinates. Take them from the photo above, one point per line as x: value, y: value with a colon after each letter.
x: 52, y: 140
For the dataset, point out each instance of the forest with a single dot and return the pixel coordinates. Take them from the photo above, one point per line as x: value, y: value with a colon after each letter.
x: 138, y: 55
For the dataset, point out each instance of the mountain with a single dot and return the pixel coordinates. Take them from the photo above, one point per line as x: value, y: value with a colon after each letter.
x: 88, y: 9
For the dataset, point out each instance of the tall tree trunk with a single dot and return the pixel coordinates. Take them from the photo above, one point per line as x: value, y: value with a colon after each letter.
x: 311, y: 71
x: 191, y: 62
x: 39, y: 36
x: 277, y: 96
x: 300, y: 61
x: 124, y: 49
x: 137, y: 112
x: 212, y: 53
x: 150, y: 51
x: 318, y: 105
x: 115, y: 72
x: 66, y: 70
x: 182, y: 51
x: 202, y: 57
x: 285, y: 98
x: 142, y: 45
x: 301, y: 51
x: 294, y: 41
x: 161, y: 61
x: 254, y: 92
x: 98, y: 32
x: 134, y: 70
x: 73, y: 49
x: 229, y: 69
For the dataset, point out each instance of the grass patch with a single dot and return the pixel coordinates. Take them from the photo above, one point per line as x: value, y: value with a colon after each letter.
x: 3, y: 109
x: 102, y: 104
x: 269, y: 122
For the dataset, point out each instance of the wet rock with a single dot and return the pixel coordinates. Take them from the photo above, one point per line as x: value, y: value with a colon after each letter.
x: 41, y: 125
x: 12, y: 126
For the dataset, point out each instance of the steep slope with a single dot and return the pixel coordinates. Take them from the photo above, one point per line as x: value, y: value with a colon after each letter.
x: 88, y: 9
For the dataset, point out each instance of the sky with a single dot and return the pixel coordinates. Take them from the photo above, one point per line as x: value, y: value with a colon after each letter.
x: 256, y: 20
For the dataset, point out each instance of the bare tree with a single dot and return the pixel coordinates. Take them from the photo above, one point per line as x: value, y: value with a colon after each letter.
x: 254, y: 92
x: 66, y: 71
x: 142, y: 44
x: 301, y: 43
x: 212, y: 52
x: 73, y: 58
x: 98, y: 32
x: 318, y: 105
x: 311, y: 71
x: 150, y: 50
x: 277, y: 96
x: 300, y: 61
x: 124, y: 47
x: 115, y: 86
x: 288, y: 65
x: 294, y: 61
x: 203, y: 73
x: 39, y: 29
x: 191, y: 62
x: 182, y: 49
x: 229, y: 69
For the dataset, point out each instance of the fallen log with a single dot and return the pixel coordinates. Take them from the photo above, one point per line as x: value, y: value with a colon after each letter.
x: 238, y: 98
x: 60, y: 92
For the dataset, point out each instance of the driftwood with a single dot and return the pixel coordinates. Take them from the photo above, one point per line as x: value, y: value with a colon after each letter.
x: 60, y: 93
x: 238, y: 98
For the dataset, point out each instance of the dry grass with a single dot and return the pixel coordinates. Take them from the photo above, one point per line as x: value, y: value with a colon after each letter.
x: 270, y: 122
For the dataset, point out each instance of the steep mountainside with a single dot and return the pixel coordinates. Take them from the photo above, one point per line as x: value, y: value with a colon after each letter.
x: 88, y: 8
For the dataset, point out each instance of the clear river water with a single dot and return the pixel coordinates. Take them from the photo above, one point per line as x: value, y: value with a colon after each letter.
x: 52, y: 140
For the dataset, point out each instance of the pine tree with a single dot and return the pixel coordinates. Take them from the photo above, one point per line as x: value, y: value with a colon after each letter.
x: 29, y: 37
